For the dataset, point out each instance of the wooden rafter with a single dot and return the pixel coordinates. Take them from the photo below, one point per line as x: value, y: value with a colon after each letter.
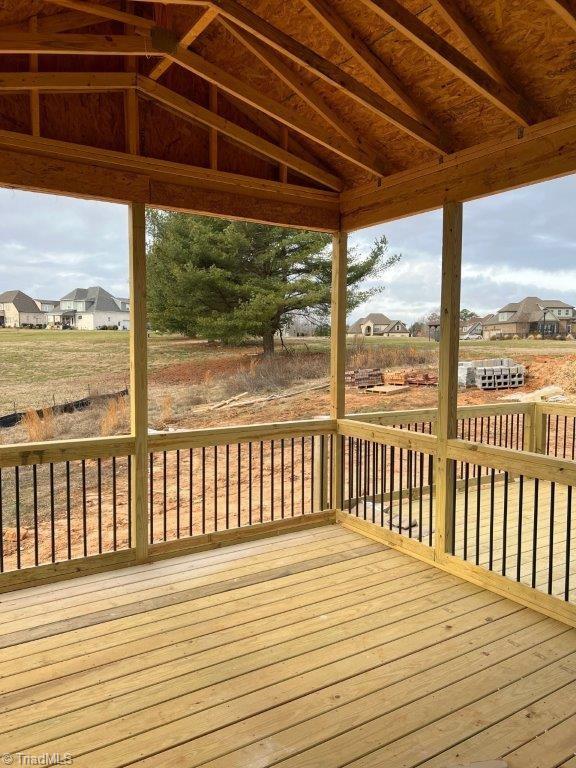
x: 256, y: 98
x: 59, y: 22
x: 191, y: 35
x: 435, y: 45
x: 451, y: 12
x: 360, y: 50
x: 565, y: 9
x: 104, y: 12
x: 291, y: 78
x: 207, y: 117
x: 329, y: 72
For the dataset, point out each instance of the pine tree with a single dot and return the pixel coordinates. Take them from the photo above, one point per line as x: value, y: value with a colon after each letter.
x: 228, y: 281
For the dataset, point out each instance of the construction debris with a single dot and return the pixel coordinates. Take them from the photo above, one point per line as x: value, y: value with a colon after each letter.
x: 387, y: 389
x: 363, y: 378
x: 551, y: 394
x: 414, y: 377
x: 495, y: 373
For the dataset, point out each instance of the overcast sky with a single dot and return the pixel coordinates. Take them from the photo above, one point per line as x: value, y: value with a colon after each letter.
x: 517, y: 244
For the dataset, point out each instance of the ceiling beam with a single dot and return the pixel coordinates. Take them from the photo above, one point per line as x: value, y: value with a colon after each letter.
x: 193, y: 33
x: 67, y: 81
x: 464, y: 28
x: 329, y: 72
x: 258, y: 99
x: 425, y: 38
x: 98, y: 45
x: 291, y: 78
x: 58, y: 22
x: 565, y: 9
x: 105, y: 12
x: 360, y: 50
x: 206, y: 117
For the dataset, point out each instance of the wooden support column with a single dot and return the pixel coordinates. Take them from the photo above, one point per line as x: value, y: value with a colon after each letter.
x: 447, y: 421
x: 338, y: 352
x: 139, y: 380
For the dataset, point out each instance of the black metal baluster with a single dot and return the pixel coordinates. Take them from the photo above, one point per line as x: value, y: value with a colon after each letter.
x: 52, y: 515
x: 535, y: 531
x: 478, y: 505
x: 565, y: 434
x: 151, y: 483
x: 431, y: 498
x: 282, y: 473
x: 520, y: 520
x: 215, y: 487
x: 292, y: 470
x: 568, y: 543
x: 400, y: 490
x: 410, y: 491
x: 227, y: 486
x: 114, y: 511
x: 190, y: 491
x: 466, y: 508
x: 177, y: 494
x: 491, y: 532
x: 261, y: 454
x: 250, y: 507
x: 17, y: 518
x: 421, y: 492
x: 100, y: 531
x: 312, y: 473
x: 505, y: 525
x: 384, y: 477
x: 85, y: 510
x: 350, y: 473
x: 203, y: 489
x: 392, y: 472
x: 548, y: 426
x: 366, y: 460
x: 165, y: 495
x: 239, y: 478
x: 272, y: 480
x: 129, y: 505
x: 35, y: 512
x: 556, y: 430
x: 551, y: 537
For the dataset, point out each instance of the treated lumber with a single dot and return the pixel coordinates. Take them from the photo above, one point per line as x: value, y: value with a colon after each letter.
x: 24, y: 454
x: 425, y: 38
x: 77, y: 44
x: 74, y: 169
x: 105, y: 12
x: 544, y: 151
x: 186, y: 40
x: 329, y: 72
x: 34, y: 94
x: 139, y: 379
x: 447, y: 418
x: 255, y: 98
x: 338, y: 353
x: 67, y: 81
x: 565, y: 9
x: 360, y: 50
x: 207, y: 117
x: 59, y: 22
x: 399, y: 438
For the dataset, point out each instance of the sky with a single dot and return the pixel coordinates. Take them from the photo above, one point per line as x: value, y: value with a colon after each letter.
x: 520, y: 243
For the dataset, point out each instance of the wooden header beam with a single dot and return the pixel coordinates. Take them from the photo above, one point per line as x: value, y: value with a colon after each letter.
x: 565, y: 9
x: 545, y: 151
x: 105, y: 12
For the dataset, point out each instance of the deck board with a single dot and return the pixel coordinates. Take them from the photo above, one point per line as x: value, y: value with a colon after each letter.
x: 340, y: 652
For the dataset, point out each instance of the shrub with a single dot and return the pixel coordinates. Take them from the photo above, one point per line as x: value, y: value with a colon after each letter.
x: 115, y: 418
x: 39, y: 427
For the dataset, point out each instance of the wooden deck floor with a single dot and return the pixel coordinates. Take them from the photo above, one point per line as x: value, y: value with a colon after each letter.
x: 317, y: 648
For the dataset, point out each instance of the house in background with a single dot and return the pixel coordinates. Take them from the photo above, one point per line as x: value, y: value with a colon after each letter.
x: 18, y: 310
x: 90, y: 309
x: 47, y: 305
x: 531, y: 317
x: 377, y: 324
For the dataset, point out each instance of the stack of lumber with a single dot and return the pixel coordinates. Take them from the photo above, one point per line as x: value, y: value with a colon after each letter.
x: 413, y: 378
x: 364, y: 377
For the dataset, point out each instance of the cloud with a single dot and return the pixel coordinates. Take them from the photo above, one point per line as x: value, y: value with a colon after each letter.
x: 521, y: 243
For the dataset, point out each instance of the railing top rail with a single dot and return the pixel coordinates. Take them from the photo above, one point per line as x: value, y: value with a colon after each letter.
x: 418, y: 415
x: 203, y: 438
x: 376, y: 433
x: 23, y: 454
x: 557, y: 409
x: 533, y: 465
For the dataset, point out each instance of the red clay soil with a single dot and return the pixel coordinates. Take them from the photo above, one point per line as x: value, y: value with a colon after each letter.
x: 197, y: 371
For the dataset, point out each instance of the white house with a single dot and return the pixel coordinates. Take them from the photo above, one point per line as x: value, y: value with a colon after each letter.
x: 90, y: 309
x: 377, y: 324
x: 18, y: 310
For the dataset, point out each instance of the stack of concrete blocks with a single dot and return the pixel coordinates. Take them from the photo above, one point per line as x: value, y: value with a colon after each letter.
x: 495, y: 373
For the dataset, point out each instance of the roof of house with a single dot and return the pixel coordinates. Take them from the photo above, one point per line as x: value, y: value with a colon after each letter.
x: 529, y: 310
x: 97, y: 299
x: 377, y: 318
x: 392, y: 326
x: 21, y: 301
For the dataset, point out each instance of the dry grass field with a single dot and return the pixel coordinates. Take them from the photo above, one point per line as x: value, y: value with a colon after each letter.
x: 42, y: 368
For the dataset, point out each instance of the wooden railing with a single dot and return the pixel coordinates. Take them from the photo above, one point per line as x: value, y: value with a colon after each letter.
x: 65, y: 506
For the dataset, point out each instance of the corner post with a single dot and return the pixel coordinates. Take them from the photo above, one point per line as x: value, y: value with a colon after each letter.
x: 139, y: 380
x: 447, y: 420
x: 338, y: 353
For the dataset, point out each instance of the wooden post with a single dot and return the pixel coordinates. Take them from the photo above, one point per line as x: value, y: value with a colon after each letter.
x: 447, y: 420
x: 338, y: 352
x: 320, y: 470
x: 530, y: 427
x: 139, y: 380
x: 539, y: 430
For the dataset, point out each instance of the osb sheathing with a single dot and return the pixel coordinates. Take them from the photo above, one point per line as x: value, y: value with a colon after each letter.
x: 536, y: 50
